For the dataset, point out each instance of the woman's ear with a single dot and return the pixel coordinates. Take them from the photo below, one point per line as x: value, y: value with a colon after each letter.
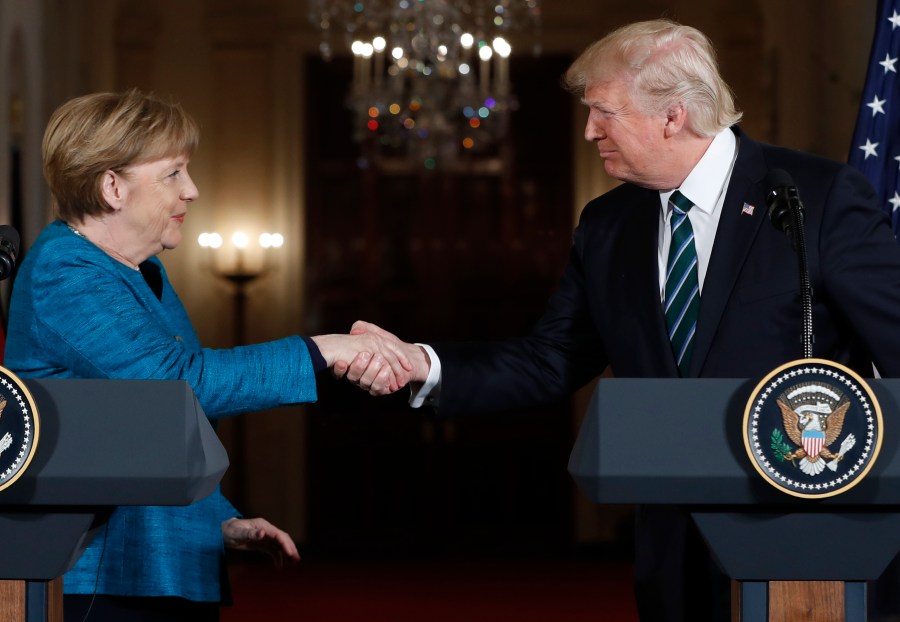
x: 112, y: 189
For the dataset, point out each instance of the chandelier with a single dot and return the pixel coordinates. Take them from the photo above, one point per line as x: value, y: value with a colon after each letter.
x: 430, y: 77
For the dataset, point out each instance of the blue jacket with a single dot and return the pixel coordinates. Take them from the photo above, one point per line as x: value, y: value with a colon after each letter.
x: 76, y: 312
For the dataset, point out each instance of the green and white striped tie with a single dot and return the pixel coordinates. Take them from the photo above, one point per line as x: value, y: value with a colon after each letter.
x: 682, y: 298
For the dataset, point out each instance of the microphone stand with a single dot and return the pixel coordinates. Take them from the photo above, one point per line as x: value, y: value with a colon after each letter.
x: 798, y: 237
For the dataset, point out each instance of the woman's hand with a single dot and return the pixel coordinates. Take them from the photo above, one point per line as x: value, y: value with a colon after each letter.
x: 258, y: 534
x: 366, y: 372
x: 386, y: 358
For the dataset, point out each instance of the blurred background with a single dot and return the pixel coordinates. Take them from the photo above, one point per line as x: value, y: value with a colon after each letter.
x: 449, y: 219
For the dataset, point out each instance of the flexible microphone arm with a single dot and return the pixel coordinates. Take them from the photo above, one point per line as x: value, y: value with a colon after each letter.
x: 787, y: 214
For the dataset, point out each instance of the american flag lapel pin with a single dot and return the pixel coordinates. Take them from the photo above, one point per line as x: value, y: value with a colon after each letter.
x: 748, y: 209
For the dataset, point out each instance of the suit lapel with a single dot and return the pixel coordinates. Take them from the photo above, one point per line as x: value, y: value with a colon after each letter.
x: 734, y: 237
x: 638, y: 288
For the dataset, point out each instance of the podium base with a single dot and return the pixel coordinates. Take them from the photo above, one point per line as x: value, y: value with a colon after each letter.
x: 31, y: 601
x: 796, y: 601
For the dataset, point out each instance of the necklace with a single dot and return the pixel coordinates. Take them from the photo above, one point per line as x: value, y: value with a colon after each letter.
x: 117, y: 256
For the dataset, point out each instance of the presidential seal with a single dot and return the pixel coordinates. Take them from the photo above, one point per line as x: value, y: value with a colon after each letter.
x: 18, y: 428
x: 812, y: 428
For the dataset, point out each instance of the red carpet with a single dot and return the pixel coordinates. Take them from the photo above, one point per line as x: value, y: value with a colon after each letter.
x: 452, y: 591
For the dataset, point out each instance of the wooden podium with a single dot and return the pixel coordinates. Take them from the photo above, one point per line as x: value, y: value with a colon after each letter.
x: 103, y: 443
x: 680, y: 442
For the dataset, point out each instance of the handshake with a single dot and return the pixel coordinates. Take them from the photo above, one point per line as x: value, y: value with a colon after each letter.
x: 374, y: 359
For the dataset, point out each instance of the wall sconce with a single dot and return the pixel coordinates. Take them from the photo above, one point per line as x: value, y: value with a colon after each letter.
x: 241, y: 258
x: 239, y: 263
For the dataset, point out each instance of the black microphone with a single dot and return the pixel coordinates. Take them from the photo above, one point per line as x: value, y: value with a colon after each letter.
x: 9, y: 250
x: 786, y: 213
x: 784, y: 204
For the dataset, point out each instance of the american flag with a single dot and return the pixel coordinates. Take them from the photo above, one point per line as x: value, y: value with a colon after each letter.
x: 876, y: 140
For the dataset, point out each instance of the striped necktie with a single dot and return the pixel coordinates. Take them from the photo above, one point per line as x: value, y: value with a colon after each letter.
x: 682, y: 283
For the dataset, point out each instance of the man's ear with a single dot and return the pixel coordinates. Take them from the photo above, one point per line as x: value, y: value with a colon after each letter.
x: 676, y: 117
x: 112, y: 189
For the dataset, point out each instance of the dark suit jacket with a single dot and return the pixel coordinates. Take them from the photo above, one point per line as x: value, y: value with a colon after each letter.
x: 607, y: 308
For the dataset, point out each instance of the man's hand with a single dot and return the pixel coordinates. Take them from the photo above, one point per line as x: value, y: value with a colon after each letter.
x: 258, y: 534
x: 369, y: 374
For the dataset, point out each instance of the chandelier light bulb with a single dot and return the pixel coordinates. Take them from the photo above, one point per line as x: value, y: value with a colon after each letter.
x: 379, y: 43
x: 485, y: 52
x: 357, y: 48
x: 502, y: 47
x: 466, y: 40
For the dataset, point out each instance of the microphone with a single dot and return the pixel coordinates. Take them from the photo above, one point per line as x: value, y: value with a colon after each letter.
x: 9, y: 250
x: 784, y: 204
x: 786, y: 213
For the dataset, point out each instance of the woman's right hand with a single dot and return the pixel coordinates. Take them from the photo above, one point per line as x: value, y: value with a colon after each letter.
x: 386, y: 358
x: 366, y: 373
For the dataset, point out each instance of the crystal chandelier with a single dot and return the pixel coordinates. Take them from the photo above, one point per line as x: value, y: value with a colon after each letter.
x: 430, y: 77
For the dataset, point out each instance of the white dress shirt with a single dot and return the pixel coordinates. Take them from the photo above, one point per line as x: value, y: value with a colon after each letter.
x: 705, y: 187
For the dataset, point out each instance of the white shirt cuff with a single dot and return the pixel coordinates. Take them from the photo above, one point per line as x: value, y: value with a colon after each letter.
x: 429, y: 391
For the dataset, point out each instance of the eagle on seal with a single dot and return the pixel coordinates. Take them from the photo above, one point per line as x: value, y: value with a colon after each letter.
x: 814, y: 427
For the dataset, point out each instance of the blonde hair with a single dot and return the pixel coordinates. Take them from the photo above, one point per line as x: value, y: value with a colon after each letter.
x: 664, y: 63
x: 89, y: 135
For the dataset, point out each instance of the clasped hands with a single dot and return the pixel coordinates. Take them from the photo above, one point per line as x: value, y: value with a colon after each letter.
x: 374, y: 359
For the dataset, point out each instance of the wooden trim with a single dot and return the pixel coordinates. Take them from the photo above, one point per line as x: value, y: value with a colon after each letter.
x: 810, y: 601
x: 12, y: 601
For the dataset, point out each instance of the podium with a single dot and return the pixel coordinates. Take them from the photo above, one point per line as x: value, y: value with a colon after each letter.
x: 102, y: 444
x: 679, y: 442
